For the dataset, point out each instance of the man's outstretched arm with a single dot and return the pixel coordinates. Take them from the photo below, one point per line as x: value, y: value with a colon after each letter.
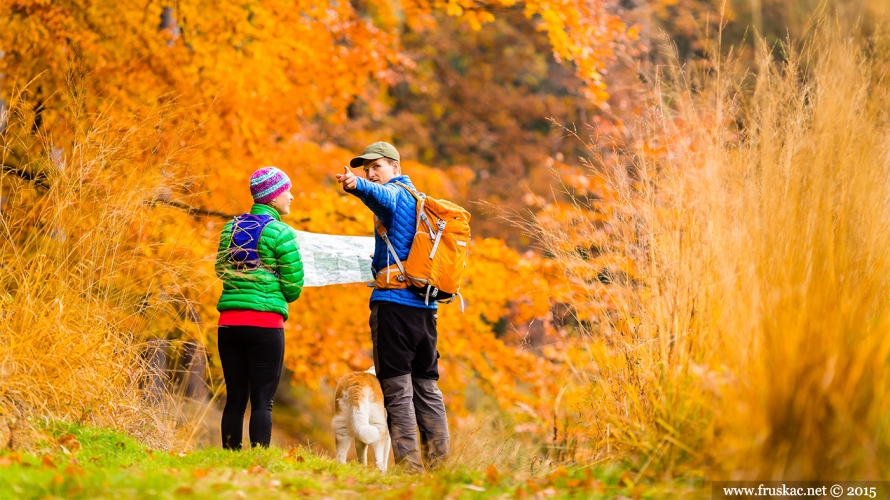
x: 381, y: 199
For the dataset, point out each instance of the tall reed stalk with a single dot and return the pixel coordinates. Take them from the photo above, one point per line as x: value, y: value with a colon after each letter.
x: 753, y: 339
x: 91, y: 266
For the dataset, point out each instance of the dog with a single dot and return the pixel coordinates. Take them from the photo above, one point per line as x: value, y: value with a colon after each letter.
x: 359, y: 415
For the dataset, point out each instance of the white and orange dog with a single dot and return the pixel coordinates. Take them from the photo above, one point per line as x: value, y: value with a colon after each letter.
x: 359, y: 415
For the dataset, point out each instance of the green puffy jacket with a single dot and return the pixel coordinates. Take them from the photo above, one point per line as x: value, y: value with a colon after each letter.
x: 261, y: 290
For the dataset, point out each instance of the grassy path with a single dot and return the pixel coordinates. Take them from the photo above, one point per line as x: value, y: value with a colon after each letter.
x: 85, y: 462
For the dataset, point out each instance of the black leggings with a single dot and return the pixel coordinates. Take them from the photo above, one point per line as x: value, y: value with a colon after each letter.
x: 251, y: 360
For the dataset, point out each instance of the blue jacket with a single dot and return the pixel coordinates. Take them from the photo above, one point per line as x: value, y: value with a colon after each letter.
x: 397, y: 209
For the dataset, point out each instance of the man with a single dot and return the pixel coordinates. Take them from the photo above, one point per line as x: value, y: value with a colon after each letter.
x: 403, y: 326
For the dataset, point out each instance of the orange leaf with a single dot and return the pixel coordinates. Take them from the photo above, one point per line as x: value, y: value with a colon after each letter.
x: 74, y: 470
x: 199, y: 473
x: 47, y: 462
x: 560, y: 472
x: 70, y: 442
x: 492, y: 474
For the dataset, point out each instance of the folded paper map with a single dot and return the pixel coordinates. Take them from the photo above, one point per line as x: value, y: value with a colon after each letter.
x: 335, y: 260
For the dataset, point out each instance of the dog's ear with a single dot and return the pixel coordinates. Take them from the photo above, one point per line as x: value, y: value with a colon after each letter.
x: 371, y: 370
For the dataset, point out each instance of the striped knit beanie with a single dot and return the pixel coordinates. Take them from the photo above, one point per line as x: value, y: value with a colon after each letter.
x: 267, y: 183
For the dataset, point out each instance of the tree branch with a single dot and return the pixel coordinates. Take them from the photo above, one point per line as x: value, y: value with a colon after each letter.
x: 39, y: 180
x: 202, y: 212
x: 212, y: 213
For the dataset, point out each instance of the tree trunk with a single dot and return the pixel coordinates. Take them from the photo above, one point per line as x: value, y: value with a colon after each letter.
x: 157, y: 363
x: 194, y: 365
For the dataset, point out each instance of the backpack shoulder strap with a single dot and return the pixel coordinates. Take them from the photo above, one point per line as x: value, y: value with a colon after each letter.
x: 421, y: 214
x: 416, y: 194
x: 378, y: 226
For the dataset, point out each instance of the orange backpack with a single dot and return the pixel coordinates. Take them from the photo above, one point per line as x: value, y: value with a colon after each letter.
x: 438, y: 256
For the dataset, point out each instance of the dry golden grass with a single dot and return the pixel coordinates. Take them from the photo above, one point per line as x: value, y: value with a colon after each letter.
x: 753, y: 342
x: 482, y: 440
x: 89, y: 264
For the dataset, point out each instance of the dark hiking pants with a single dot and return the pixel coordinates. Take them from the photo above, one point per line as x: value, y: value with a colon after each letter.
x: 407, y: 365
x: 251, y: 361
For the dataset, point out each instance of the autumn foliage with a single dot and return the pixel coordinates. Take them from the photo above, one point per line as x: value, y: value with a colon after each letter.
x: 683, y: 269
x: 130, y: 132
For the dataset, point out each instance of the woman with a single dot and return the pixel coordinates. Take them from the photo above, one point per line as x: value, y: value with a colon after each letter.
x: 259, y: 263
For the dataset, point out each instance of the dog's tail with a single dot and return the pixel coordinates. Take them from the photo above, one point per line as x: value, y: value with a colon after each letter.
x: 361, y: 418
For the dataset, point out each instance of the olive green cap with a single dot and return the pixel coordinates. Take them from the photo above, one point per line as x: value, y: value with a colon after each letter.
x: 375, y: 151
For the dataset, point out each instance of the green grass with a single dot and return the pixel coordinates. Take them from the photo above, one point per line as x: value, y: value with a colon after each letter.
x: 85, y: 462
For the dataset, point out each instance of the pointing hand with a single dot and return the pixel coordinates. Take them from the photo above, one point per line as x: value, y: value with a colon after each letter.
x: 347, y: 178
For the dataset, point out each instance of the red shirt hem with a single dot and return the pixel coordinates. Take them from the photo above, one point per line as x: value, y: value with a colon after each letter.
x: 243, y: 317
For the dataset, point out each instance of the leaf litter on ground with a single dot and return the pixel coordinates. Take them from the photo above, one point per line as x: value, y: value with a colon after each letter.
x: 107, y: 464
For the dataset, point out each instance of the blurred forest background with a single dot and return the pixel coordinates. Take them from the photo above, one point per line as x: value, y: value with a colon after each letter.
x: 579, y: 134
